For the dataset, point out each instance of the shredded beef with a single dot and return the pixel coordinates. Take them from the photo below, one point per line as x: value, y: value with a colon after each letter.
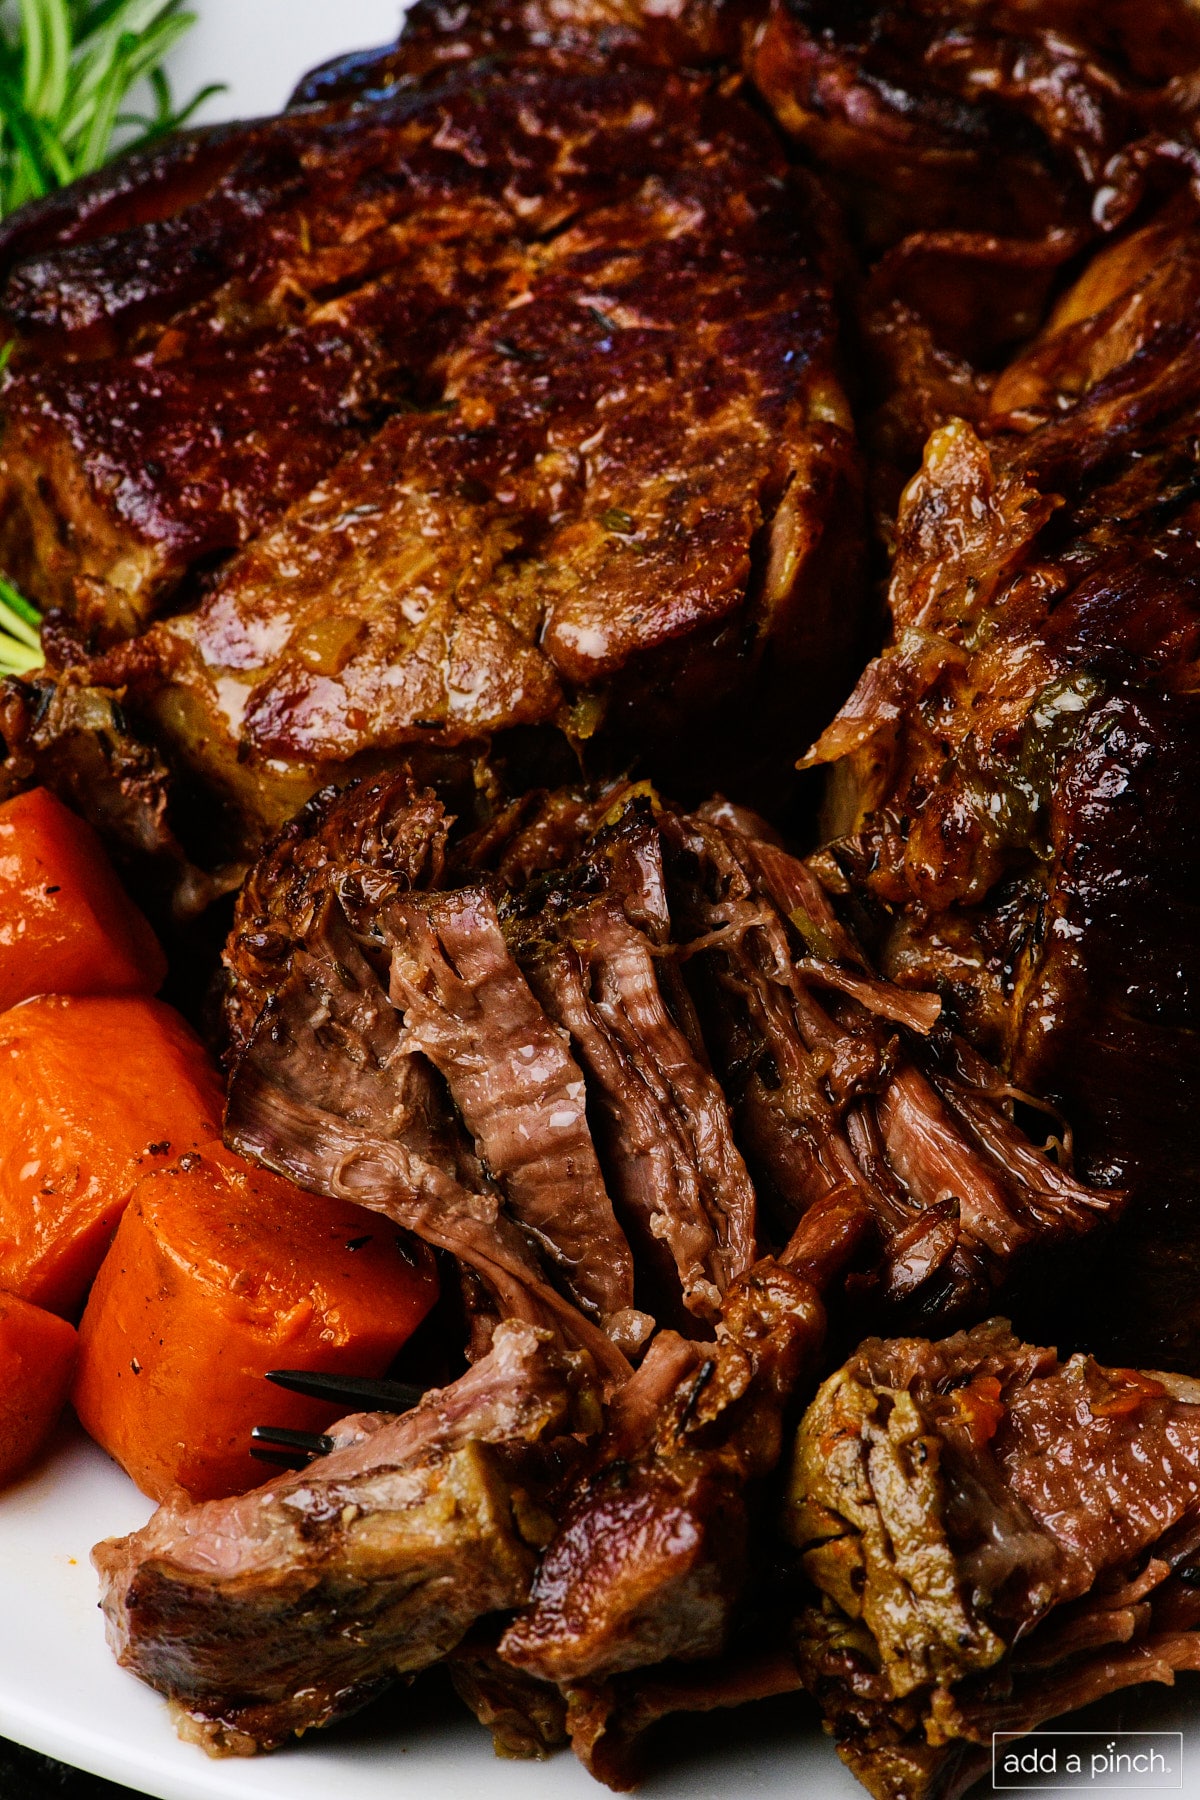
x: 593, y: 943
x: 467, y: 1008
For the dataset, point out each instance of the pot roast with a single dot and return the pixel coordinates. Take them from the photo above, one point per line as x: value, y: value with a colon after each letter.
x: 423, y: 484
x: 1014, y: 794
x: 429, y: 1020
x: 996, y: 1537
x: 501, y: 405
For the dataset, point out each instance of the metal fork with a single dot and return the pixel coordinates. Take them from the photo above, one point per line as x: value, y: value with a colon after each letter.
x: 296, y: 1449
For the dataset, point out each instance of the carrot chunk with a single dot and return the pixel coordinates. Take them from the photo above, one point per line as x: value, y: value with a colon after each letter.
x: 93, y: 1092
x: 67, y: 925
x: 37, y: 1358
x: 220, y: 1271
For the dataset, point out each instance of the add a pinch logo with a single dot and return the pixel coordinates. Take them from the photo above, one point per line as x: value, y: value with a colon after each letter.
x: 1090, y: 1760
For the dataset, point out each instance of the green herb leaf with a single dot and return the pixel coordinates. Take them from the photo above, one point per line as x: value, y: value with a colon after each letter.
x: 20, y: 635
x: 67, y: 68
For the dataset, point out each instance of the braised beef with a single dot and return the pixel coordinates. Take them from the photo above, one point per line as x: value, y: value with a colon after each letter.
x: 367, y: 842
x: 1015, y: 797
x: 846, y: 1093
x: 651, y: 1557
x: 609, y: 1722
x: 526, y: 1717
x: 327, y: 1094
x: 997, y: 1537
x: 594, y: 944
x: 469, y: 1010
x: 549, y: 462
x: 412, y: 1045
x: 413, y: 1527
x: 513, y: 33
x: 430, y: 545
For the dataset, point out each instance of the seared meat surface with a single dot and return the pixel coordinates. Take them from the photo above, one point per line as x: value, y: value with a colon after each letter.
x: 381, y: 232
x: 651, y: 1556
x: 516, y: 33
x: 997, y: 1537
x: 516, y: 395
x: 1016, y: 788
x: 126, y: 471
x: 979, y: 150
x: 497, y: 384
x: 574, y: 540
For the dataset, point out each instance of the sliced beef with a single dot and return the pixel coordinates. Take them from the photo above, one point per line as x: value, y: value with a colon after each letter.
x: 333, y: 1084
x: 594, y: 945
x: 413, y: 1527
x: 469, y: 1010
x: 997, y: 1536
x: 651, y: 1557
x: 417, y: 1032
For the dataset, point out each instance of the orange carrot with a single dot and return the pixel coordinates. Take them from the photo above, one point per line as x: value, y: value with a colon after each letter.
x: 93, y: 1092
x: 220, y: 1271
x: 37, y: 1357
x: 66, y: 924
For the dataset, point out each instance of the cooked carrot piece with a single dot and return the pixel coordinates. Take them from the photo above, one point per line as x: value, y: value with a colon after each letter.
x: 92, y: 1092
x: 67, y: 925
x: 37, y: 1357
x: 220, y: 1271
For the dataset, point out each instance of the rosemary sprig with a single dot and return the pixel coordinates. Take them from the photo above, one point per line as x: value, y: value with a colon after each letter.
x: 67, y: 68
x: 20, y: 632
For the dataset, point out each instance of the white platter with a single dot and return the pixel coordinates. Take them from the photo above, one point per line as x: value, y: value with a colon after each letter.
x: 60, y: 1690
x: 260, y: 48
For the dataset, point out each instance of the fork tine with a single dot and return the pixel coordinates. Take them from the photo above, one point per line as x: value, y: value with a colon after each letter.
x: 352, y: 1391
x: 303, y: 1443
x: 281, y: 1459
